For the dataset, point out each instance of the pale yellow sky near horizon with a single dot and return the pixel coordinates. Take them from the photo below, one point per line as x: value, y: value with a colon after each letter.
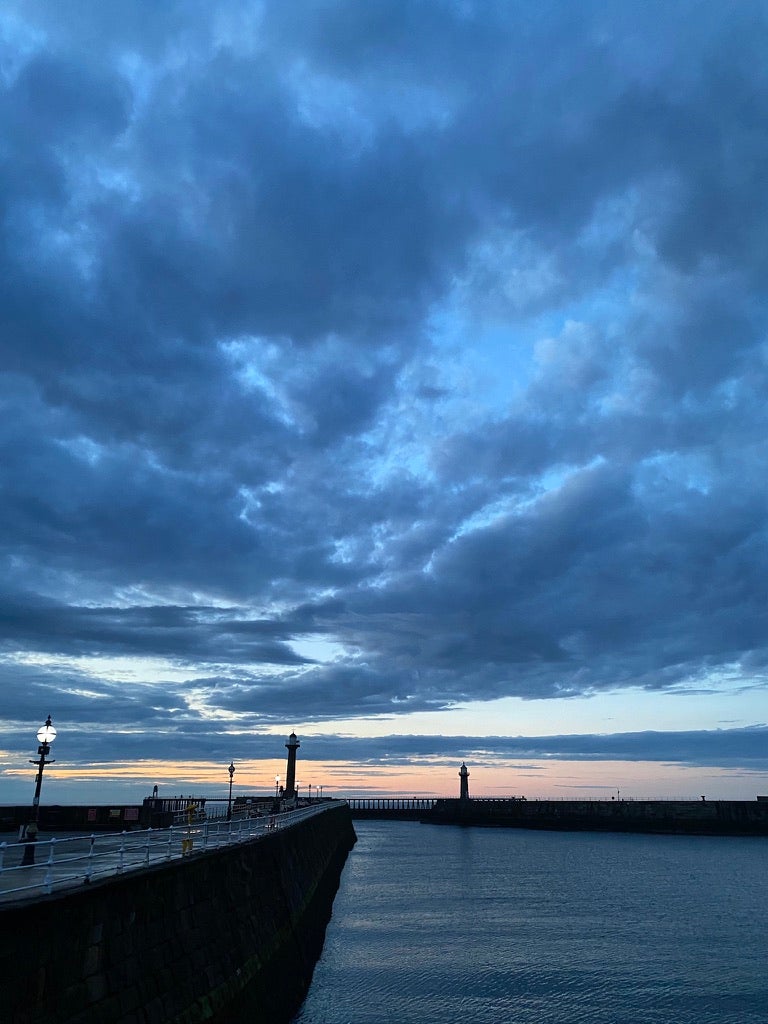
x: 536, y: 778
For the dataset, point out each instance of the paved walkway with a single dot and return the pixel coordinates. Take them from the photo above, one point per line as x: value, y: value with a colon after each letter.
x: 67, y: 860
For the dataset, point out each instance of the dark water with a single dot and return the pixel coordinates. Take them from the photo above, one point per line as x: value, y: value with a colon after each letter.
x: 442, y: 925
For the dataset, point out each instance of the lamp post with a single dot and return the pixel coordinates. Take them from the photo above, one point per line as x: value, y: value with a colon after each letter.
x: 310, y: 792
x: 46, y: 734
x: 277, y: 783
x: 231, y: 771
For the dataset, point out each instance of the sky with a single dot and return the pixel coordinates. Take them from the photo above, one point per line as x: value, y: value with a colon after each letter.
x: 393, y: 372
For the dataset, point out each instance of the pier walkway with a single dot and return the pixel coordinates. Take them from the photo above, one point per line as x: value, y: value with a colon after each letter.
x: 74, y: 860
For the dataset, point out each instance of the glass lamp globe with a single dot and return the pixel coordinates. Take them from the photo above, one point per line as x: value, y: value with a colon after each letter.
x: 46, y: 733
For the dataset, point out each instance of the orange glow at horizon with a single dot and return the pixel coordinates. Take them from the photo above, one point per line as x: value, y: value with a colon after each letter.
x: 430, y: 778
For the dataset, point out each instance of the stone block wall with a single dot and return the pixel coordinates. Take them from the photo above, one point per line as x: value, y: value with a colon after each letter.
x: 225, y: 936
x: 689, y: 817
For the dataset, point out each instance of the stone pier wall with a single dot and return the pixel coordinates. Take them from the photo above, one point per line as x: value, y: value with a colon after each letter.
x: 226, y: 936
x: 688, y: 817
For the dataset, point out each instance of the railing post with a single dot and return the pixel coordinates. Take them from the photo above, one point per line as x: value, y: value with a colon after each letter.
x: 146, y: 845
x: 121, y: 854
x: 89, y: 869
x: 169, y: 852
x: 3, y: 845
x: 48, y: 882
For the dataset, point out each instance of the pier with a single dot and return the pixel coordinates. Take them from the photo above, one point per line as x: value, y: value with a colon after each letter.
x: 670, y: 817
x: 396, y: 808
x: 67, y: 862
x: 173, y: 925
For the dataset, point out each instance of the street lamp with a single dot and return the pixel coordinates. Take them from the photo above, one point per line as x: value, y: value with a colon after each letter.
x: 277, y: 783
x: 231, y: 771
x: 310, y: 792
x: 46, y: 734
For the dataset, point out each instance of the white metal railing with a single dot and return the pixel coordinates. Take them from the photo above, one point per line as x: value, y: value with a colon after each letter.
x: 76, y: 860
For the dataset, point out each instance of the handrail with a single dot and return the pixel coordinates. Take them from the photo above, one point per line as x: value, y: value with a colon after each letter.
x: 75, y: 860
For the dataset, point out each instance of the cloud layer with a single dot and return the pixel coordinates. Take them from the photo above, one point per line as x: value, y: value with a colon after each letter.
x: 374, y: 358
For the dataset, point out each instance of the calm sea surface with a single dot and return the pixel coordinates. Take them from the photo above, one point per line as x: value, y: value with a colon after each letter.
x: 443, y: 925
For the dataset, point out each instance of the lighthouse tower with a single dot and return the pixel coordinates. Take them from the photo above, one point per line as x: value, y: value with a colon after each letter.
x: 290, y: 776
x: 464, y: 776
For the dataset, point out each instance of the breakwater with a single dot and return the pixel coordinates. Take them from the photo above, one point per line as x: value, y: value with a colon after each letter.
x: 409, y: 808
x: 229, y: 936
x: 679, y: 817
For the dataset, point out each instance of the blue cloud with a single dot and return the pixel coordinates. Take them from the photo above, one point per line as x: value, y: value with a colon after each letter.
x: 433, y: 333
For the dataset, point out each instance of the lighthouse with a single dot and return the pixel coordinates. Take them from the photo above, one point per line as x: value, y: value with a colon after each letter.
x: 290, y: 775
x: 464, y: 777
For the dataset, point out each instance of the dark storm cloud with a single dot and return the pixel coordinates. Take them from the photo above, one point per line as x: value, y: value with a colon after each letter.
x: 183, y: 634
x: 256, y: 262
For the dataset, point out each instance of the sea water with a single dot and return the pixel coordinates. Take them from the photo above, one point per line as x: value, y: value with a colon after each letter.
x: 447, y: 925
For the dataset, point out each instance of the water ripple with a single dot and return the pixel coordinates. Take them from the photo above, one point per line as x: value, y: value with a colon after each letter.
x: 449, y: 926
